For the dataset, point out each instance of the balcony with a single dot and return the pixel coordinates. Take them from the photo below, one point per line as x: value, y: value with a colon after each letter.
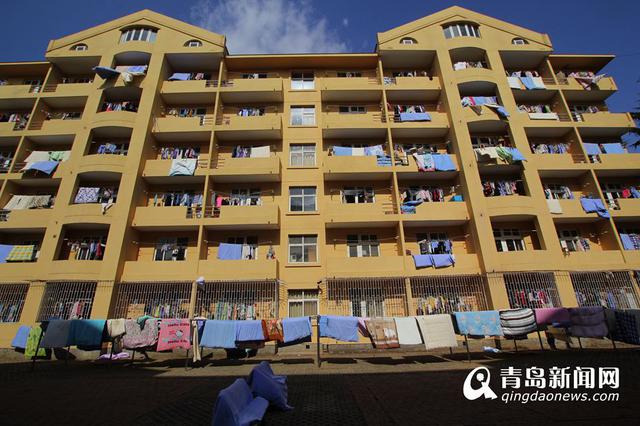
x: 412, y: 88
x: 381, y: 266
x: 574, y: 92
x: 7, y: 128
x: 75, y: 269
x: 257, y: 269
x: 266, y: 216
x: 352, y: 89
x: 188, y: 92
x: 261, y: 90
x: 626, y: 207
x: 16, y: 91
x: 368, y: 124
x: 151, y: 217
x: 92, y: 213
x: 349, y: 167
x: 527, y: 260
x: 56, y: 126
x: 102, y: 162
x: 177, y: 128
x: 510, y: 205
x: 26, y: 218
x: 114, y: 118
x: 443, y: 214
x: 231, y: 126
x: 343, y: 215
x: 150, y: 270
x: 466, y: 263
x: 161, y: 168
x: 556, y: 161
x: 592, y: 260
x: 606, y: 119
x: 437, y: 127
x: 66, y: 89
x: 21, y: 271
x: 572, y: 209
x: 620, y: 162
x: 247, y: 169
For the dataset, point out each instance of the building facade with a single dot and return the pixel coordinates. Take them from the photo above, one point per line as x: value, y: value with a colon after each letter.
x: 304, y: 184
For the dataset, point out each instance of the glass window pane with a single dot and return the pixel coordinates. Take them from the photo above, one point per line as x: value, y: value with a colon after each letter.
x: 309, y: 203
x: 309, y: 158
x: 295, y: 254
x: 296, y: 204
x: 311, y: 253
x: 295, y: 191
x: 294, y: 239
x: 296, y: 309
x: 310, y: 308
x: 455, y: 30
x: 296, y: 159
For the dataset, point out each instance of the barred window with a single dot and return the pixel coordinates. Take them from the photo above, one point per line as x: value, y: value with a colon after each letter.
x: 12, y: 296
x: 444, y: 294
x: 614, y: 290
x: 238, y: 300
x: 67, y: 300
x: 168, y: 299
x: 532, y: 290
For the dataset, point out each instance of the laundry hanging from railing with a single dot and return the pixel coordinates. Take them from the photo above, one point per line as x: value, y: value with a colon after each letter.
x: 476, y: 103
x: 502, y: 188
x: 630, y: 241
x: 551, y: 148
x: 594, y: 205
x: 433, y: 162
x: 24, y: 202
x: 183, y: 167
x: 241, y: 151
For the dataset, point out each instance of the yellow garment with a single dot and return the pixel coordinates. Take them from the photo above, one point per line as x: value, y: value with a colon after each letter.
x: 32, y: 343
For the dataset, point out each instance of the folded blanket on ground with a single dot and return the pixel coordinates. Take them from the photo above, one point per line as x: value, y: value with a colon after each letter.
x: 407, y: 329
x: 517, y: 322
x: 296, y: 328
x: 437, y: 331
x: 267, y: 385
x: 588, y: 321
x: 236, y: 406
x: 479, y: 323
x: 383, y: 332
x: 339, y: 327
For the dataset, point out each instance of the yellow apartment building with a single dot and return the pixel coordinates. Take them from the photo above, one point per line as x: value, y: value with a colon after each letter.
x: 179, y: 179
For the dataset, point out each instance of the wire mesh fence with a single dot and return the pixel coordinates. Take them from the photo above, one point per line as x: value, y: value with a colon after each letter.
x: 12, y: 296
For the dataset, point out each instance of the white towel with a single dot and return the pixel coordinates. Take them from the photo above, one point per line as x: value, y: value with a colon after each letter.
x: 357, y: 152
x: 554, y: 206
x: 437, y: 331
x: 260, y: 151
x: 115, y: 327
x: 37, y: 156
x: 537, y: 83
x: 183, y: 167
x: 543, y: 116
x: 514, y: 82
x: 408, y: 333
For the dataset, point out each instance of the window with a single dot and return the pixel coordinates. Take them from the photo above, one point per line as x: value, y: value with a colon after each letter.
x: 249, y: 246
x: 303, y: 116
x: 408, y: 40
x: 349, y: 74
x: 612, y: 191
x: 434, y: 243
x: 302, y: 81
x: 245, y: 197
x: 302, y: 199
x: 569, y: 239
x: 303, y: 303
x: 193, y: 43
x: 358, y: 195
x: 461, y: 30
x: 79, y: 47
x: 251, y: 76
x: 366, y: 304
x: 34, y: 82
x: 519, y: 41
x: 139, y: 34
x: 557, y: 192
x: 488, y: 141
x: 91, y: 248
x: 363, y: 246
x: 171, y: 248
x: 12, y: 298
x: 508, y: 240
x: 303, y: 248
x: 302, y: 155
x: 352, y: 109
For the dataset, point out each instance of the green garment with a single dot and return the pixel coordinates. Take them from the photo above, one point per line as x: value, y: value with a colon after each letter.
x: 505, y: 154
x: 59, y: 155
x: 32, y: 342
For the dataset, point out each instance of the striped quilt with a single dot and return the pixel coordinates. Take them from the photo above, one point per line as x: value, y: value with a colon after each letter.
x: 517, y: 322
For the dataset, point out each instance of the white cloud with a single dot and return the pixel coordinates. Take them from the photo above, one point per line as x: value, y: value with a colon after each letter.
x: 345, y: 22
x: 268, y: 26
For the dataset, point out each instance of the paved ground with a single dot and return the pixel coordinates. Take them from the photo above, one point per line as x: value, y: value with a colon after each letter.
x: 371, y: 389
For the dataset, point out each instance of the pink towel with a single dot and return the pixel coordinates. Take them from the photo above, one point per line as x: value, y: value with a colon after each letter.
x: 552, y: 315
x: 174, y: 333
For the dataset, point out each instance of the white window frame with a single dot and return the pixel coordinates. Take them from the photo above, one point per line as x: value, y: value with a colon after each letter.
x: 193, y: 43
x: 506, y: 236
x: 309, y: 240
x: 303, y: 116
x: 518, y: 41
x: 303, y: 297
x: 139, y: 34
x: 408, y: 40
x: 352, y: 109
x: 569, y: 239
x: 363, y: 245
x: 303, y: 196
x: 461, y: 30
x: 81, y: 47
x: 302, y: 80
x: 302, y: 155
x: 368, y: 193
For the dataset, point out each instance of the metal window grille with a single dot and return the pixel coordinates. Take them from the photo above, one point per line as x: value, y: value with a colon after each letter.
x: 613, y: 290
x: 67, y: 300
x: 238, y: 300
x: 168, y: 299
x: 532, y: 290
x: 12, y: 297
x: 444, y: 294
x: 366, y: 297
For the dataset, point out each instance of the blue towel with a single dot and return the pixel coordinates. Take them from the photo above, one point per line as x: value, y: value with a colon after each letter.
x: 406, y: 209
x: 443, y: 162
x: 634, y: 192
x: 249, y: 330
x: 339, y: 328
x: 20, y: 339
x: 86, y: 333
x: 529, y: 84
x: 442, y: 260
x: 137, y: 69
x: 592, y: 205
x: 374, y: 150
x: 422, y: 260
x: 457, y: 198
x: 516, y: 155
x: 613, y: 148
x: 427, y: 159
x: 43, y: 166
x: 502, y: 112
x: 344, y: 151
x: 627, y: 244
x: 106, y: 72
x: 219, y: 334
x: 230, y: 251
x: 179, y: 76
x: 5, y: 249
x: 415, y: 116
x: 235, y: 406
x: 57, y: 334
x: 480, y: 323
x: 296, y: 328
x: 384, y: 161
x: 591, y: 148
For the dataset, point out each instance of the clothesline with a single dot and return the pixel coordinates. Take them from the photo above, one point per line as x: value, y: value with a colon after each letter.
x: 153, y: 244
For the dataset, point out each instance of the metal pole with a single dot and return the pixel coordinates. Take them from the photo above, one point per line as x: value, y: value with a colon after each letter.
x: 515, y: 343
x: 466, y: 343
x: 318, y: 359
x: 540, y: 340
x: 613, y: 342
x: 580, y: 343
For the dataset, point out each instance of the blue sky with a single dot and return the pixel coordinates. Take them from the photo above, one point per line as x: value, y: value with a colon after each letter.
x: 340, y: 25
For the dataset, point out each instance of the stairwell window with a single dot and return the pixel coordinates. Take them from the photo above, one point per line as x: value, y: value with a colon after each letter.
x: 139, y: 34
x: 302, y: 199
x: 519, y: 41
x: 303, y: 116
x: 302, y: 81
x: 303, y: 155
x: 79, y: 47
x: 303, y: 248
x: 508, y: 240
x: 193, y: 43
x: 461, y: 30
x: 408, y: 40
x: 363, y: 246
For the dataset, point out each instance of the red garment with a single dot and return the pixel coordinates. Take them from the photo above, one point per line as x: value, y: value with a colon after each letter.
x: 626, y: 193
